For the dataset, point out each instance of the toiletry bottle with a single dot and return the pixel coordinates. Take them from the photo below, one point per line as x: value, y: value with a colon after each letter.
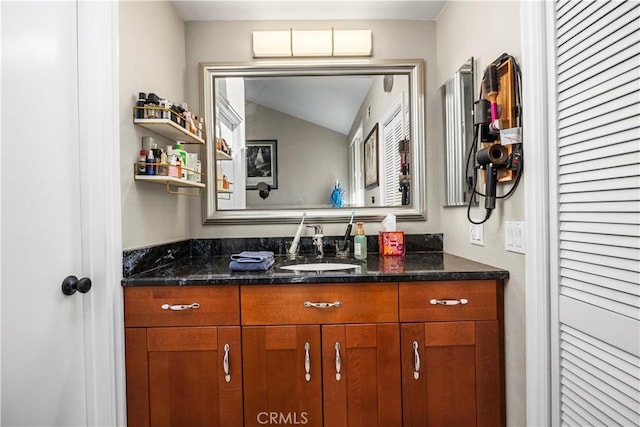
x: 360, y: 242
x: 142, y: 160
x: 177, y: 160
x: 172, y: 169
x: 163, y: 167
x: 142, y: 97
x: 151, y: 163
x: 177, y: 149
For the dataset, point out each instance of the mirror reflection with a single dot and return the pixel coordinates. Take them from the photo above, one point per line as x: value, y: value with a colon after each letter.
x: 310, y: 138
x: 313, y: 137
x: 457, y: 98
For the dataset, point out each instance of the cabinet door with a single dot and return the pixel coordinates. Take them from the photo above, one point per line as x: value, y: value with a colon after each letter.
x: 451, y: 374
x: 179, y: 376
x: 282, y: 382
x: 361, y: 375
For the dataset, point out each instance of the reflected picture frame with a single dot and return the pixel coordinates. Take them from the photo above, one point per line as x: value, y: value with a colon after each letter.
x: 370, y: 146
x: 262, y: 163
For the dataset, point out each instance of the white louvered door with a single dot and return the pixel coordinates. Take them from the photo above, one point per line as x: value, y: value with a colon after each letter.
x: 393, y: 131
x: 596, y: 289
x: 391, y: 165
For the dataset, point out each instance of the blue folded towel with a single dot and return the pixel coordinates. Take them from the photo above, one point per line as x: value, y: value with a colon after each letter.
x: 252, y: 261
x: 252, y: 256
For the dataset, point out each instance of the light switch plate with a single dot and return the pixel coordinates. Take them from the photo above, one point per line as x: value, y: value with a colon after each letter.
x: 514, y: 238
x: 476, y: 234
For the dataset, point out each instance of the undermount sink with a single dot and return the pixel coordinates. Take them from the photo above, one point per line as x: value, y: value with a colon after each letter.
x: 320, y: 266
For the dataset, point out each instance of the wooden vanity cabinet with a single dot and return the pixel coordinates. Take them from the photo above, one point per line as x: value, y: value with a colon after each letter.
x: 183, y: 365
x: 282, y: 375
x: 330, y: 354
x: 356, y: 354
x: 367, y: 391
x: 452, y: 357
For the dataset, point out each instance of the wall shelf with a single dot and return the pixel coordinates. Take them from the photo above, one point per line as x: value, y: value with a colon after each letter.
x: 169, y: 129
x: 172, y: 184
x: 221, y: 191
x: 221, y: 155
x: 163, y: 122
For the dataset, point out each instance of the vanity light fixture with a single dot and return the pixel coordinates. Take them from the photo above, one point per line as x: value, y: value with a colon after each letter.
x: 312, y: 43
x: 352, y: 43
x: 271, y: 44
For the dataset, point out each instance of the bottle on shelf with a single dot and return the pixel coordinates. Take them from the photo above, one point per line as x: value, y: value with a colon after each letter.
x: 177, y: 149
x: 151, y: 163
x: 152, y: 102
x: 164, y: 113
x: 142, y: 160
x: 172, y: 170
x: 360, y: 242
x: 163, y: 168
x: 175, y: 162
x: 142, y: 97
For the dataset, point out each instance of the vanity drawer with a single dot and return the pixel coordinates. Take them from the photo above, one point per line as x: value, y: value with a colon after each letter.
x: 449, y: 301
x: 285, y: 304
x: 150, y: 305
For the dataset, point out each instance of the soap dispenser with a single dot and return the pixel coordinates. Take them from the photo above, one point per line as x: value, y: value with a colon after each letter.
x: 360, y: 242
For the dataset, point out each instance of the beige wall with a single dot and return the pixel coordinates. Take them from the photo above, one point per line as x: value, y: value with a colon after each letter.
x: 485, y: 30
x: 231, y: 42
x: 152, y: 58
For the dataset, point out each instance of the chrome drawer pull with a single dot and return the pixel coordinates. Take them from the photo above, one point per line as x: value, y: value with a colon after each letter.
x: 225, y: 364
x: 416, y: 361
x: 179, y: 307
x: 338, y: 362
x: 307, y: 362
x: 448, y: 301
x: 336, y: 304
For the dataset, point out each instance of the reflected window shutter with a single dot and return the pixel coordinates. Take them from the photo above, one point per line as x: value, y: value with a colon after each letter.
x: 392, y: 134
x: 598, y: 164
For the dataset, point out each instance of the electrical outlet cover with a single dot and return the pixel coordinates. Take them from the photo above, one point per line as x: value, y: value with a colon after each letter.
x: 476, y: 234
x: 514, y: 239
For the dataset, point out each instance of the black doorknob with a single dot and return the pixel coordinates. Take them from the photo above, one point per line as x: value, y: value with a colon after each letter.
x: 71, y: 284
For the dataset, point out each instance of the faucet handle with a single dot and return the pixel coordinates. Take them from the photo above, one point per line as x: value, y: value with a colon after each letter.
x: 317, y: 228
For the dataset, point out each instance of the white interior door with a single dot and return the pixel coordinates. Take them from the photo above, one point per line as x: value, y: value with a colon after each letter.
x: 60, y: 354
x: 43, y: 367
x: 595, y: 292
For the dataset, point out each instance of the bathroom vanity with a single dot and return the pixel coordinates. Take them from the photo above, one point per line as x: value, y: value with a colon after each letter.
x: 412, y: 341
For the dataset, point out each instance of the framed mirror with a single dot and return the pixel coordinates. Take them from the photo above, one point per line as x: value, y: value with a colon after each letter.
x: 315, y: 128
x: 457, y: 100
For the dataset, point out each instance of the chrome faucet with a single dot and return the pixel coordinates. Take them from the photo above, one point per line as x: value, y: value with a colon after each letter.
x: 317, y: 239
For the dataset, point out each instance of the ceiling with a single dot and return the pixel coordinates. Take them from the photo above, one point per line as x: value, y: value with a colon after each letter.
x: 260, y: 10
x: 330, y: 102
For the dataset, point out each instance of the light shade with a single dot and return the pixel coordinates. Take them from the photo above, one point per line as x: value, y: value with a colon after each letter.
x: 271, y: 44
x: 312, y: 43
x: 352, y: 43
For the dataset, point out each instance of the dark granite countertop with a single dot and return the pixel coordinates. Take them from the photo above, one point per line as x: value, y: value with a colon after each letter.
x: 414, y: 266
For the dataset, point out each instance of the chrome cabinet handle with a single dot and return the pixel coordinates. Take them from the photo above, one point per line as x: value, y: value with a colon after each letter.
x: 336, y: 304
x: 225, y: 364
x: 307, y: 362
x: 448, y: 301
x: 338, y: 362
x: 416, y: 361
x: 180, y: 307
